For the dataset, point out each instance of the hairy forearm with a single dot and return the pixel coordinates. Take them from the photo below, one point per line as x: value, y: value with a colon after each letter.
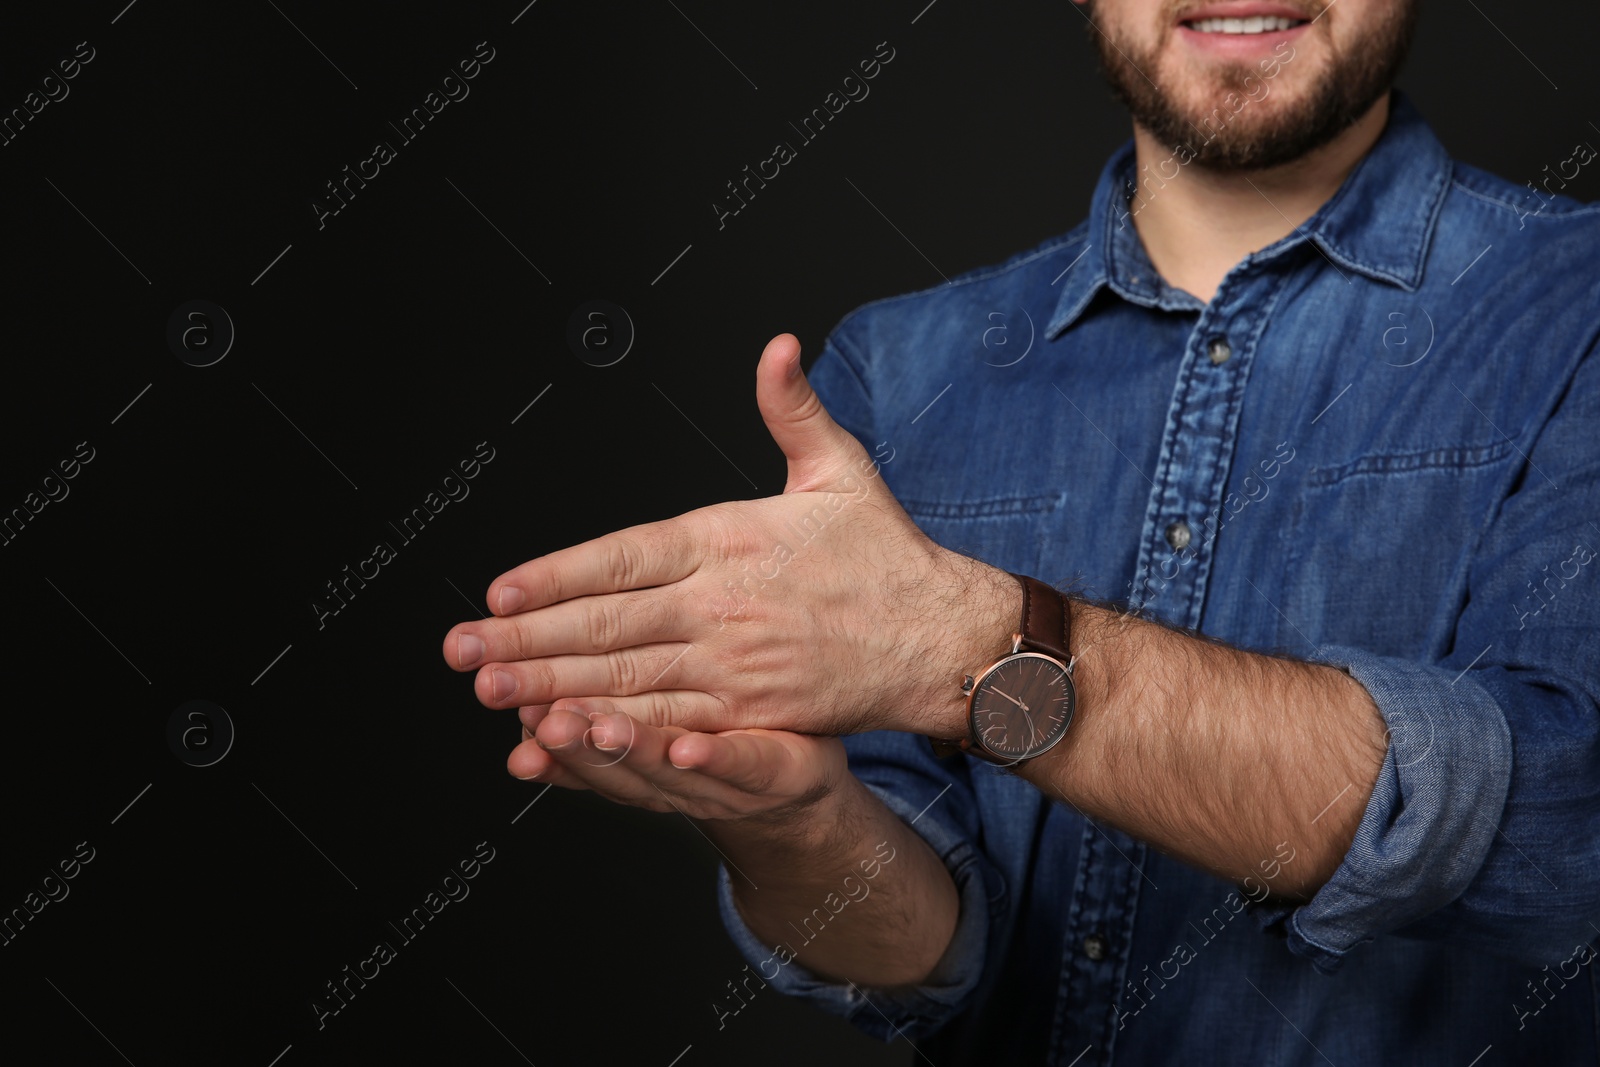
x: 1216, y: 756
x: 847, y: 886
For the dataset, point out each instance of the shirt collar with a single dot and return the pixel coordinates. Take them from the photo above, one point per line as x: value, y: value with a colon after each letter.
x: 1378, y: 224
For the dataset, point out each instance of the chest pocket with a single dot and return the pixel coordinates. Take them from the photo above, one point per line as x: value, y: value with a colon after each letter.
x: 1018, y: 533
x: 1383, y: 543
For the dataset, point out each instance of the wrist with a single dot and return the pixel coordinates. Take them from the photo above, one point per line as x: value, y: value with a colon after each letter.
x: 980, y: 613
x: 804, y: 833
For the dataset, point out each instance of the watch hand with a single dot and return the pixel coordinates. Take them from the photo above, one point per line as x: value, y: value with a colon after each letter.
x: 1011, y: 698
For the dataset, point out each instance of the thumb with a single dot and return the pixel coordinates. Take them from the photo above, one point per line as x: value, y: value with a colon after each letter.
x: 819, y: 450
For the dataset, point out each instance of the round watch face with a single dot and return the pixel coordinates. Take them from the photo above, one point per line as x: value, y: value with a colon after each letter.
x: 1022, y: 706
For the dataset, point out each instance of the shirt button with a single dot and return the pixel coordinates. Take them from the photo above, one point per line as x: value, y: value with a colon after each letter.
x: 1219, y: 351
x: 1178, y: 535
x: 1094, y: 947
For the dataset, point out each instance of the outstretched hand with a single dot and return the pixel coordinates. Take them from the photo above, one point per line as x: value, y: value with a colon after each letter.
x: 824, y: 610
x: 743, y: 774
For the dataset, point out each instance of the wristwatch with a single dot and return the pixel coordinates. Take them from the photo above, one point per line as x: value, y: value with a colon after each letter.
x: 1020, y: 705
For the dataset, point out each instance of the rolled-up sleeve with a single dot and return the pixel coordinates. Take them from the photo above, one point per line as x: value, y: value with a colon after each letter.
x: 1483, y: 827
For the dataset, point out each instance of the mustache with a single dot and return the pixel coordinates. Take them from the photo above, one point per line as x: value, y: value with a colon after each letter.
x: 1183, y: 10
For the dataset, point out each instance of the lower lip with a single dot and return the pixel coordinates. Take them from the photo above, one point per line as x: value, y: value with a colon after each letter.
x: 1239, y: 45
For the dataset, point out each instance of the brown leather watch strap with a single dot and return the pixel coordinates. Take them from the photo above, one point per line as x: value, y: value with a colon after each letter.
x: 1045, y: 619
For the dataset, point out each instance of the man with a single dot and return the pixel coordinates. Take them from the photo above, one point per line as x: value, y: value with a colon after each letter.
x: 1306, y: 424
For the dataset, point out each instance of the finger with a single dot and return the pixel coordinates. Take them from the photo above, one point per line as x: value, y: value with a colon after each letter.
x: 760, y: 762
x: 626, y: 760
x: 543, y: 681
x: 532, y: 715
x: 636, y: 558
x: 585, y: 626
x: 598, y: 756
x: 819, y: 450
x: 531, y: 763
x: 686, y: 709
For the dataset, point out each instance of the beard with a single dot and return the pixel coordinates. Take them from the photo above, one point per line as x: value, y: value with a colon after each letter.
x: 1358, y: 73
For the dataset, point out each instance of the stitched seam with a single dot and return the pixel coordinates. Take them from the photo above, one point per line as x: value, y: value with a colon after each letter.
x: 1441, y: 459
x: 1057, y: 244
x: 1002, y: 507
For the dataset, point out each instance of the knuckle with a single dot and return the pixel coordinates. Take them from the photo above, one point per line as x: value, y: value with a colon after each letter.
x: 625, y: 560
x: 603, y: 625
x: 541, y: 679
x: 624, y: 671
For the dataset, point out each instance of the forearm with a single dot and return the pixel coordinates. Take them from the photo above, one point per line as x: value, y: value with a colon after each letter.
x: 856, y: 892
x: 1214, y: 755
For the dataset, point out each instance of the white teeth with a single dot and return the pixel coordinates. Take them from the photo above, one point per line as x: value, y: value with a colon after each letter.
x: 1254, y: 24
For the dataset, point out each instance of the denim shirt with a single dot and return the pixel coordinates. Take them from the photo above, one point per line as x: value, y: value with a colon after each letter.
x: 1376, y: 448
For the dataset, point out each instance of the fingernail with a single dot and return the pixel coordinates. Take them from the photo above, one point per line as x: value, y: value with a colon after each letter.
x: 469, y: 649
x: 511, y: 598
x: 532, y: 777
x: 600, y: 737
x: 794, y: 368
x: 503, y: 684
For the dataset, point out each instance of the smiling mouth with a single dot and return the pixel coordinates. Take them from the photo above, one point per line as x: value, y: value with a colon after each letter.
x: 1246, y: 26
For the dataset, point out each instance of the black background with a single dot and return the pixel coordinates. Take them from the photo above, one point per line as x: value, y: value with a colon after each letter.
x: 373, y: 356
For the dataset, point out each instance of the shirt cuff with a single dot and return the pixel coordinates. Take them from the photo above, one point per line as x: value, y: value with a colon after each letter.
x: 1432, y: 816
x: 904, y: 1011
